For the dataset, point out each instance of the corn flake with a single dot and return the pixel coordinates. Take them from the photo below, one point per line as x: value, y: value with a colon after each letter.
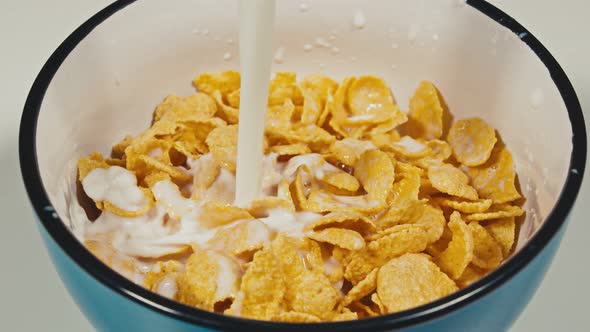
x: 487, y: 253
x: 351, y: 220
x: 87, y: 164
x: 224, y: 82
x: 345, y: 315
x: 369, y: 95
x: 199, y: 281
x: 459, y: 253
x: 341, y: 180
x: 495, y: 212
x: 315, y: 90
x: 410, y: 281
x: 470, y: 275
x: 504, y: 232
x: 161, y: 271
x: 213, y: 214
x: 463, y: 206
x: 313, y: 293
x: 177, y: 108
x: 472, y: 141
x: 295, y: 317
x: 348, y: 150
x: 450, y: 180
x: 376, y: 173
x: 404, y: 198
x: 362, y: 289
x: 263, y: 285
x: 290, y: 149
x: 344, y: 238
x: 408, y: 239
x: 241, y: 238
x: 496, y: 178
x: 283, y: 87
x: 225, y: 111
x: 425, y: 119
x: 222, y: 142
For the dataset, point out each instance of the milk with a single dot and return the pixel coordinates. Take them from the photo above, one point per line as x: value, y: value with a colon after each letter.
x: 256, y: 32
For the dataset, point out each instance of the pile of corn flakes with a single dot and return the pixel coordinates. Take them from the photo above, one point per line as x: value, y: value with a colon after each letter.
x: 410, y: 209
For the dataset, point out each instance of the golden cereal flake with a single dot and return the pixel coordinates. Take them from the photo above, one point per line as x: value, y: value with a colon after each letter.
x: 362, y: 289
x: 207, y: 278
x: 263, y: 285
x: 176, y: 108
x: 450, y: 180
x: 496, y: 179
x: 222, y: 143
x: 344, y: 238
x: 459, y: 252
x: 225, y: 82
x: 504, y: 232
x: 487, y: 253
x: 472, y: 141
x: 410, y: 281
x: 464, y: 206
x: 495, y: 212
x: 375, y: 171
x: 425, y: 119
x: 295, y: 317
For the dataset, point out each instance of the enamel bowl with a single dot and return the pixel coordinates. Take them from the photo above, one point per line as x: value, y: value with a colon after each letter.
x: 105, y: 77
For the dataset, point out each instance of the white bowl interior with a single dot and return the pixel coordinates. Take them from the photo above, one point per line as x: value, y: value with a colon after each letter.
x: 110, y: 83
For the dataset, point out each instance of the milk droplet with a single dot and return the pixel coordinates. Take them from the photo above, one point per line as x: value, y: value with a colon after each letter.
x: 537, y: 98
x: 395, y: 45
x: 574, y: 171
x: 358, y: 20
x: 226, y: 56
x: 435, y: 36
x: 494, y: 39
x: 303, y: 7
x: 335, y: 50
x: 319, y: 41
x: 307, y: 47
x: 522, y: 35
x: 279, y: 56
x: 413, y: 32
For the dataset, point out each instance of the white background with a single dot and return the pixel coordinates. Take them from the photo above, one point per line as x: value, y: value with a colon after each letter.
x: 32, y: 297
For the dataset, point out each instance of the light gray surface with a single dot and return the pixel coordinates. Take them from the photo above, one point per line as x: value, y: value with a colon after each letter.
x: 32, y: 297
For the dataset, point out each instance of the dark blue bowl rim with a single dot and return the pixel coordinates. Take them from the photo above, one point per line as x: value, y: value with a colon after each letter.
x: 94, y: 267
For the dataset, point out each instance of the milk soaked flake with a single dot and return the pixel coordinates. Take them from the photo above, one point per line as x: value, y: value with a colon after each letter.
x: 116, y: 185
x: 174, y: 222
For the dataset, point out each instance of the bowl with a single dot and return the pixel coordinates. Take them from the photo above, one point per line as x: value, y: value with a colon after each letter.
x: 98, y: 84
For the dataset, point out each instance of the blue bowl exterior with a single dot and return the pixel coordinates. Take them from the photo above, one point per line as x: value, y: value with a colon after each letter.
x: 108, y: 310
